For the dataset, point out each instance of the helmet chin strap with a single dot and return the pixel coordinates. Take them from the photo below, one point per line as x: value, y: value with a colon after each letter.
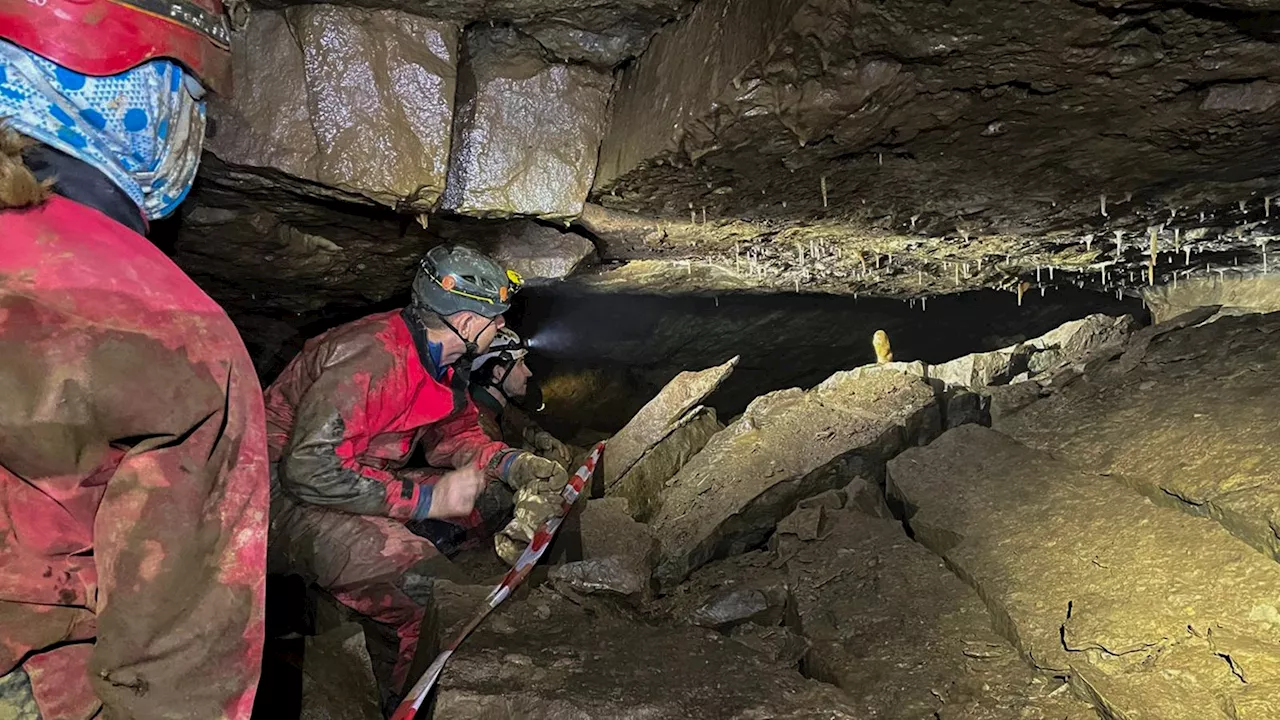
x: 522, y: 402
x: 501, y: 383
x: 470, y: 348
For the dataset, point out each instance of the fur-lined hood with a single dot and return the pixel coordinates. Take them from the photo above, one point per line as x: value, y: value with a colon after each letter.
x: 19, y: 188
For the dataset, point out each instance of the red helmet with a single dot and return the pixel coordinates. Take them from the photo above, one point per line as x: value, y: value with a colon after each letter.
x: 106, y: 37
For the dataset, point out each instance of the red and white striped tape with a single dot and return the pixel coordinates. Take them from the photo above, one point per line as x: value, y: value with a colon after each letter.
x: 516, y: 575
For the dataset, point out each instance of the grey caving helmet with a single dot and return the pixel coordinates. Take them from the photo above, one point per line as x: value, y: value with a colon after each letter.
x: 453, y: 278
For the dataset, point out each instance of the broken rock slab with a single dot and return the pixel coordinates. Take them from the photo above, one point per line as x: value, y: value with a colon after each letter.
x: 659, y: 417
x: 1192, y: 423
x: 618, y: 552
x: 728, y: 593
x: 1080, y: 340
x: 642, y: 485
x: 527, y: 131
x: 865, y: 496
x: 567, y: 663
x: 787, y: 446
x: 1235, y: 294
x: 980, y: 370
x: 1076, y: 341
x: 734, y: 606
x: 813, y: 516
x: 1150, y: 611
x: 342, y: 103
x: 892, y: 626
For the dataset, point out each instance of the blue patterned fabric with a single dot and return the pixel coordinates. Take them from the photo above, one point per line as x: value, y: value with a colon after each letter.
x: 142, y: 128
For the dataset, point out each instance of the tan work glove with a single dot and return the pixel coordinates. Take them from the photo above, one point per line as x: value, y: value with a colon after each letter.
x: 532, y: 509
x: 546, y: 445
x: 541, y: 475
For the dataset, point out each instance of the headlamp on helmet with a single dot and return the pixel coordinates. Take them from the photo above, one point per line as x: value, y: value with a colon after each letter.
x: 507, y: 349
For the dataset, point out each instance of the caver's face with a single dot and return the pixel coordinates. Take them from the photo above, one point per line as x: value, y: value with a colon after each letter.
x: 489, y: 331
x: 516, y: 383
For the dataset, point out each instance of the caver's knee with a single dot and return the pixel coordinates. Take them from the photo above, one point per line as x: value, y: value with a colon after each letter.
x: 338, y: 550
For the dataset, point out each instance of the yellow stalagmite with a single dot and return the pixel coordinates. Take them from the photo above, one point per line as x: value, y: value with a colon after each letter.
x: 884, y: 353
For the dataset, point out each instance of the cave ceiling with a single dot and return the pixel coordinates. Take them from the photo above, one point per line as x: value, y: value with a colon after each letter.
x: 901, y: 149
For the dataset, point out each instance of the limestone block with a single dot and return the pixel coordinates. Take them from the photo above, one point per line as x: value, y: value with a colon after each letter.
x: 893, y: 627
x: 1187, y: 417
x: 343, y: 102
x: 541, y: 253
x: 787, y: 446
x: 1238, y: 295
x: 547, y: 658
x: 642, y: 485
x: 527, y: 131
x: 658, y: 418
x: 618, y: 552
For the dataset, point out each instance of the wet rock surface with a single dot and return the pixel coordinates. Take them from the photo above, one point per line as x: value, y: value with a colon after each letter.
x: 1186, y: 417
x: 549, y: 658
x: 893, y: 627
x: 1237, y: 294
x: 539, y: 253
x: 342, y: 103
x: 618, y: 553
x: 603, y: 33
x: 787, y: 446
x: 659, y: 417
x: 804, y: 145
x: 642, y: 485
x: 527, y: 131
x: 1150, y: 611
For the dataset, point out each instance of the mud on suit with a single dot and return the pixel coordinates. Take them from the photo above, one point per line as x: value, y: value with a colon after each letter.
x: 344, y: 420
x: 133, y: 474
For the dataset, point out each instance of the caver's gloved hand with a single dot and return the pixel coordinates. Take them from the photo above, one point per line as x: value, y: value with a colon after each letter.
x: 521, y: 469
x: 532, y: 509
x: 545, y: 445
x: 539, y: 484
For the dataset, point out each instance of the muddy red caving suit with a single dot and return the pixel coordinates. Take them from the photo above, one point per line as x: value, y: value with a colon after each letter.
x: 133, y: 477
x: 343, y: 420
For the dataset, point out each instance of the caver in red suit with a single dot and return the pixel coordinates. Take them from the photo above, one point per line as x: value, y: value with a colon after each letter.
x: 133, y: 468
x: 347, y: 415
